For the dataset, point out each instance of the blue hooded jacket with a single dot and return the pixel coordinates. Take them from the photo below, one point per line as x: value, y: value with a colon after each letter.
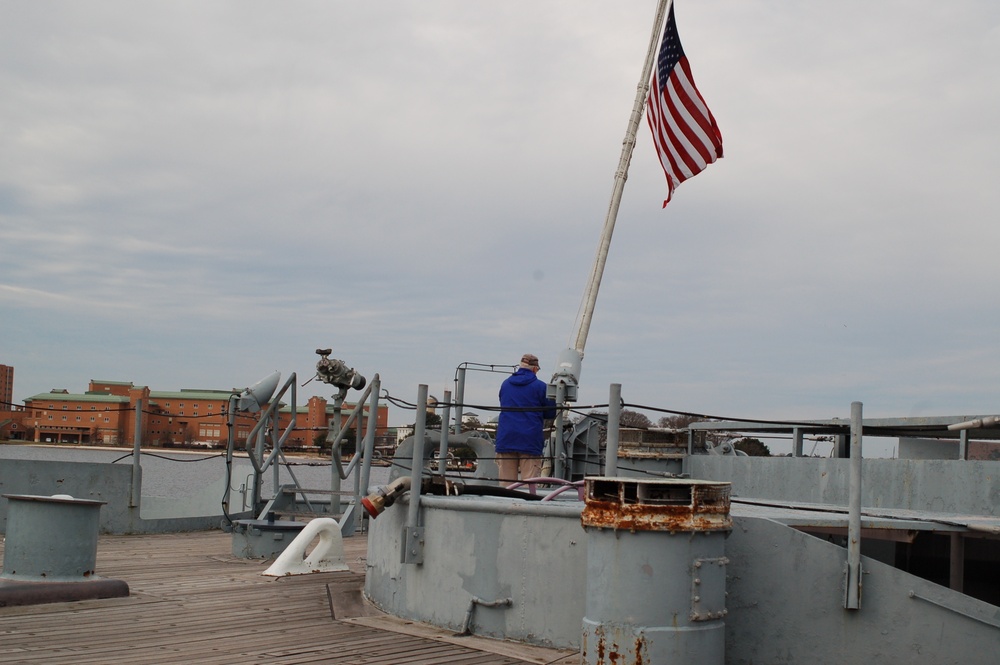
x: 524, y: 410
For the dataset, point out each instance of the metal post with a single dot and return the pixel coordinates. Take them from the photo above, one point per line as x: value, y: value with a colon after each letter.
x: 614, y: 418
x: 686, y: 462
x: 796, y: 442
x: 136, y: 447
x: 841, y: 449
x: 413, y: 535
x: 956, y: 571
x: 258, y: 480
x: 558, y: 449
x: 443, y: 448
x: 963, y: 444
x: 853, y: 599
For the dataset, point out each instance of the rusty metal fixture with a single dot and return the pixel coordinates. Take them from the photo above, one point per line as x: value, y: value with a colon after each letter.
x: 657, y: 505
x: 653, y: 597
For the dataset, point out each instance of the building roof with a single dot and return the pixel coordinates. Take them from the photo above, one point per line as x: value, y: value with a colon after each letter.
x: 76, y: 397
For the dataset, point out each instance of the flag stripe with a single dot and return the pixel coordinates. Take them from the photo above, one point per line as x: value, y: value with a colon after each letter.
x: 685, y: 133
x: 694, y: 126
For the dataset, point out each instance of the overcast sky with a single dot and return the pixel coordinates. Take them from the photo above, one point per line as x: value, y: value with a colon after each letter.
x: 195, y: 194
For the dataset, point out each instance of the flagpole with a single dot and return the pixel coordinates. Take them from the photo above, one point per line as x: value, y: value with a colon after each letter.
x: 565, y: 380
x: 621, y: 175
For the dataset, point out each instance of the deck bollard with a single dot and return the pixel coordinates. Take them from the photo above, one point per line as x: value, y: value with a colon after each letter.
x: 656, y: 571
x: 50, y: 551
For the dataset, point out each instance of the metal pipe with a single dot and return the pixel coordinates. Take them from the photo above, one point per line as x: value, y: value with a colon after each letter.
x: 973, y: 424
x: 853, y: 600
x: 614, y: 421
x: 354, y: 415
x: 338, y: 430
x: 502, y: 602
x: 459, y: 399
x: 230, y: 445
x: 257, y: 436
x: 357, y: 408
x: 366, y: 462
x: 500, y: 506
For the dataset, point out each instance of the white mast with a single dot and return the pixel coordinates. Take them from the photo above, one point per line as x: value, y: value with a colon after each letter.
x: 564, y: 382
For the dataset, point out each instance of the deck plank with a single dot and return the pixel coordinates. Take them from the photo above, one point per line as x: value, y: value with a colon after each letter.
x: 192, y: 601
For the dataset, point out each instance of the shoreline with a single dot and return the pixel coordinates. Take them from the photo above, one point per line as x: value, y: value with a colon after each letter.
x: 193, y: 450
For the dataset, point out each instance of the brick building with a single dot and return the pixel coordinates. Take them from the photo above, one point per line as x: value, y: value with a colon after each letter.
x: 106, y: 415
x: 6, y: 387
x: 10, y: 414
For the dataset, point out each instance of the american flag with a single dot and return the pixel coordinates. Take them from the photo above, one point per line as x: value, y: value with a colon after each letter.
x: 686, y: 136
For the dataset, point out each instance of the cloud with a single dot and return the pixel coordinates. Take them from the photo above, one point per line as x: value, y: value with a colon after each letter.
x: 194, y: 195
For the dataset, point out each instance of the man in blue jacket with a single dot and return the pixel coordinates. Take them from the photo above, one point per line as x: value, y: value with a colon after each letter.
x: 520, y: 429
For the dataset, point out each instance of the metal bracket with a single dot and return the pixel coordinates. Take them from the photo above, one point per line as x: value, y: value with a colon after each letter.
x: 853, y: 584
x: 413, y: 545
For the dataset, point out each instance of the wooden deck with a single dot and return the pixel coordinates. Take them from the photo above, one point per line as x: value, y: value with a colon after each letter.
x: 191, y: 601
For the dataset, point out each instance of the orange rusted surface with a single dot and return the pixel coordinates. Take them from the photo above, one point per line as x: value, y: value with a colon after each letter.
x: 642, y: 517
x: 634, y: 505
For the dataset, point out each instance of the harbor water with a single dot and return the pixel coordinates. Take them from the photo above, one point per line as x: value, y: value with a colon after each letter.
x: 176, y: 474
